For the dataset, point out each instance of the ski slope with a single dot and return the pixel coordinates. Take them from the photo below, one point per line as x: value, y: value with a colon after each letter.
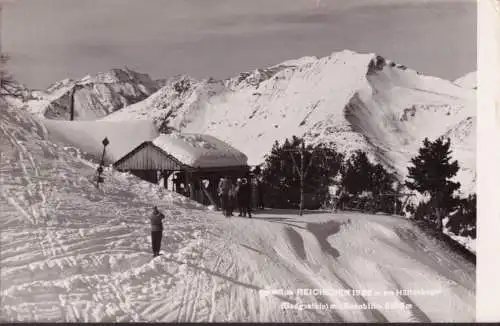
x: 71, y: 252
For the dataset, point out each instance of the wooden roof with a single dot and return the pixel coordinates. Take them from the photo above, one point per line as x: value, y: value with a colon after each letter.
x: 148, y: 156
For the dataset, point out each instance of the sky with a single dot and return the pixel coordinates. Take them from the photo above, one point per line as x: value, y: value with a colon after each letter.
x: 50, y: 40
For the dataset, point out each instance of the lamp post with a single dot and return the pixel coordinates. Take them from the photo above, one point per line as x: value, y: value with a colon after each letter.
x: 100, y: 179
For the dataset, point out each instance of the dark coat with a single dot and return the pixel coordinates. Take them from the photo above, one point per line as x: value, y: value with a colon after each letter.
x: 244, y: 193
x: 156, y: 221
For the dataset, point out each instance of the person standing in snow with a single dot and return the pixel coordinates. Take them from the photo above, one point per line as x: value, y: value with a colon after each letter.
x: 232, y: 198
x: 245, y: 194
x: 156, y: 230
x: 177, y: 182
x: 239, y: 197
x: 223, y: 192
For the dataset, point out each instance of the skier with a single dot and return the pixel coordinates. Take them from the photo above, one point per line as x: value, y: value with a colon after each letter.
x: 156, y: 230
x: 245, y: 194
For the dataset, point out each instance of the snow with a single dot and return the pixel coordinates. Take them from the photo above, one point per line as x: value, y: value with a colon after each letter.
x: 467, y: 242
x: 342, y: 100
x: 87, y: 136
x: 75, y: 253
x: 197, y: 150
x: 468, y: 81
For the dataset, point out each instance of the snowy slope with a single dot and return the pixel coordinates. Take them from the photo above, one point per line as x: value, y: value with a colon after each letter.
x: 95, y: 96
x: 74, y: 253
x: 468, y: 81
x: 15, y: 93
x: 353, y: 101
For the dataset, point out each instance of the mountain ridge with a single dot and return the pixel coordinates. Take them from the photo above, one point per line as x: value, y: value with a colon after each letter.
x: 95, y: 96
x: 348, y: 100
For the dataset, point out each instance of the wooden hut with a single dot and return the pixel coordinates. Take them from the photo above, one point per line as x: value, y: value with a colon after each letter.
x: 194, y: 163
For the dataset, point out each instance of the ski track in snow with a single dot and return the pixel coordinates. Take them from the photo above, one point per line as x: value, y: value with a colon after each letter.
x: 70, y: 252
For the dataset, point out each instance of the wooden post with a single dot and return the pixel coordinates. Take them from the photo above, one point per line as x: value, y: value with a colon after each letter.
x: 105, y: 142
x: 72, y: 105
x: 302, y: 179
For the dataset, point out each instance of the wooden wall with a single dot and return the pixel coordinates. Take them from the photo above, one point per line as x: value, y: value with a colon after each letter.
x: 148, y: 157
x: 150, y: 176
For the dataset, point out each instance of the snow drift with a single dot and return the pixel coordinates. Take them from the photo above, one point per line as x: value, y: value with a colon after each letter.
x: 75, y: 253
x: 349, y: 100
x: 197, y: 150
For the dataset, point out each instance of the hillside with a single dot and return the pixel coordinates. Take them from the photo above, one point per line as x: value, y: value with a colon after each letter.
x: 350, y: 100
x: 74, y: 253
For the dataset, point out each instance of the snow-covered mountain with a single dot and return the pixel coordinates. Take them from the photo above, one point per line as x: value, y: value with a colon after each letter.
x: 94, y: 96
x: 350, y: 100
x: 468, y: 81
x: 73, y: 253
x: 15, y: 93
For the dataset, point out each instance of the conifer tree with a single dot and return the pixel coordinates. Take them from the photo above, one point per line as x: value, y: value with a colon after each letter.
x: 431, y: 173
x: 280, y: 172
x: 356, y: 173
x: 360, y: 175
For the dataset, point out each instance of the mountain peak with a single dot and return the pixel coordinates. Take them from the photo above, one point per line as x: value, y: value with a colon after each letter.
x: 95, y: 96
x: 118, y: 75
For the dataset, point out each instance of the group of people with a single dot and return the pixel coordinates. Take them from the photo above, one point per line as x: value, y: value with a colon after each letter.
x: 233, y: 196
